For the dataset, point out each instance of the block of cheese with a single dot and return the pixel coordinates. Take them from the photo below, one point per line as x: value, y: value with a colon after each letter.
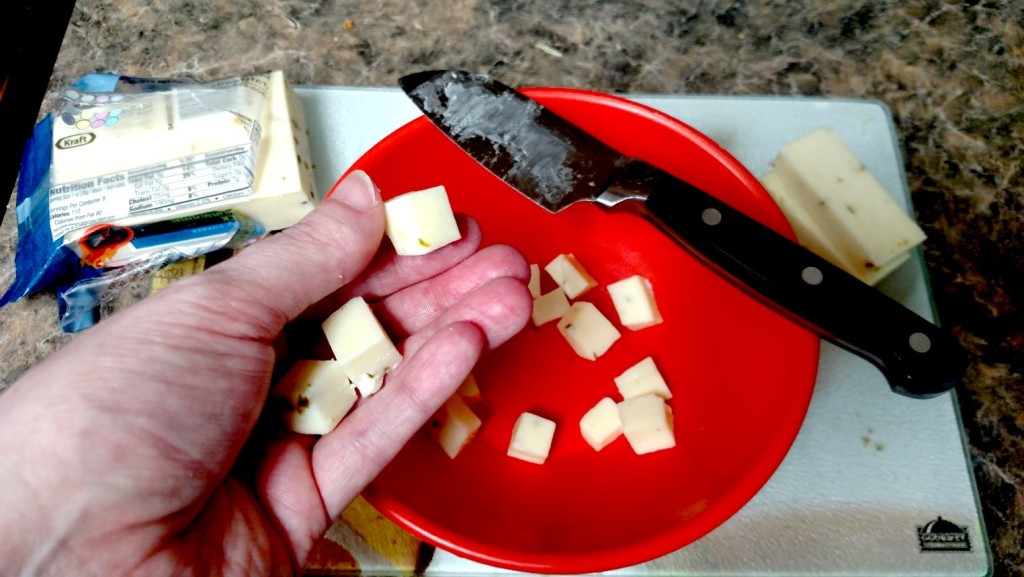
x: 822, y: 174
x: 534, y: 283
x: 647, y: 423
x: 643, y: 378
x: 568, y: 273
x: 813, y: 237
x: 469, y: 390
x: 601, y: 424
x: 634, y: 302
x: 420, y: 221
x: 531, y: 438
x: 588, y: 332
x: 102, y: 134
x: 361, y: 345
x: 284, y: 185
x: 454, y: 425
x: 316, y: 395
x: 182, y: 151
x: 808, y: 232
x: 550, y: 306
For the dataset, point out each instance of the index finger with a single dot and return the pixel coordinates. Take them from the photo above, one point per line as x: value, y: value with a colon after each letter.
x: 273, y: 281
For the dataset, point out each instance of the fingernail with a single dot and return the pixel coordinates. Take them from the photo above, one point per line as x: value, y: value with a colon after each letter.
x: 359, y: 191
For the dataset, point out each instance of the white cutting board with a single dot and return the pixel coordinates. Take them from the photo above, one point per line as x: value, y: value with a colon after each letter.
x: 869, y: 467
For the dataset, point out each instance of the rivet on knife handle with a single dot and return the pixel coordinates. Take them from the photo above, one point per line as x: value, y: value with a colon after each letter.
x: 918, y: 358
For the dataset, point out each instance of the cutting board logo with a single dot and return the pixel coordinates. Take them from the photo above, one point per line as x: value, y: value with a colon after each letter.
x: 943, y: 535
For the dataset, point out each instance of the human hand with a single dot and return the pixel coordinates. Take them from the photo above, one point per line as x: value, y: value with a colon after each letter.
x: 123, y: 452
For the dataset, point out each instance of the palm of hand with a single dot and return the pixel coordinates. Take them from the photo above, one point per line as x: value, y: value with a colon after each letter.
x: 142, y: 421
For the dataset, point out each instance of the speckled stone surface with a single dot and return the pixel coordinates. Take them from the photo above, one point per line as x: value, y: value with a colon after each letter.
x: 952, y: 74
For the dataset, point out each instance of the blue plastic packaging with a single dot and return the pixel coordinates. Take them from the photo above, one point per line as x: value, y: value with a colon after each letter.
x: 61, y: 258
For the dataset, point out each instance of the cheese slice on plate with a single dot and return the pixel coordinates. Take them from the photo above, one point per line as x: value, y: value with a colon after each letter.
x: 838, y: 209
x: 821, y: 173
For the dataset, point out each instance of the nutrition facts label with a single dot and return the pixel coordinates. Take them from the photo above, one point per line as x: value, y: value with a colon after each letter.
x: 183, y: 184
x: 134, y: 157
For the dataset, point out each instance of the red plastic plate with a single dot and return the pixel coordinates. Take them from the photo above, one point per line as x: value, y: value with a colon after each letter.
x: 742, y: 376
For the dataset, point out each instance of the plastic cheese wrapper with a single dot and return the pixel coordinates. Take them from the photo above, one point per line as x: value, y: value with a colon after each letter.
x: 138, y: 253
x: 144, y: 172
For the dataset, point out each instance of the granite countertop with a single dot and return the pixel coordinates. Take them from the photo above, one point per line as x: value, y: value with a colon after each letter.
x: 951, y: 73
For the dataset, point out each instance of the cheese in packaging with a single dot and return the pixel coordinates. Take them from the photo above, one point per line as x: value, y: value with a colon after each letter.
x: 123, y: 157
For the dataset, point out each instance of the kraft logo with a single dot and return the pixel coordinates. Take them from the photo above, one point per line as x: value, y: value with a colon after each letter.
x: 75, y: 141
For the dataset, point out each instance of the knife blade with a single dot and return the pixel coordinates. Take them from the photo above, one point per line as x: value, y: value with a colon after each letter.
x: 555, y: 163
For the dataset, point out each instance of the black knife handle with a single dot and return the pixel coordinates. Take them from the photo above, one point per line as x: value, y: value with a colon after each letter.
x: 917, y: 358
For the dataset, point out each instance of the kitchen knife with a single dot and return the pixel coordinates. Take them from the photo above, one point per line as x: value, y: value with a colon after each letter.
x: 555, y: 164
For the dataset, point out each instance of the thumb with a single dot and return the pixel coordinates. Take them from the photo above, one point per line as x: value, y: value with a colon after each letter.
x: 278, y: 277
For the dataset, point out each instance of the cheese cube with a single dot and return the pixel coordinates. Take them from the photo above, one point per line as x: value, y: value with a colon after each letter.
x: 814, y: 238
x: 469, y: 390
x: 316, y: 395
x: 588, y: 331
x: 454, y: 425
x: 845, y: 199
x: 420, y: 221
x: 568, y: 273
x: 647, y: 424
x: 360, y: 345
x: 549, y: 307
x: 531, y: 438
x: 642, y: 378
x: 634, y: 302
x: 601, y: 424
x: 534, y: 283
